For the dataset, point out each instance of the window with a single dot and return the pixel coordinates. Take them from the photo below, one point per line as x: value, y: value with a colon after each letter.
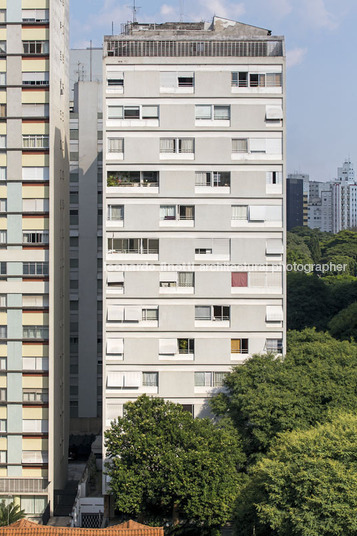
x: 35, y: 237
x: 2, y: 110
x: 35, y: 47
x: 177, y: 212
x: 269, y: 146
x: 35, y: 395
x: 35, y: 141
x: 239, y: 346
x: 35, y: 110
x: 3, y: 425
x: 35, y: 363
x: 150, y: 379
x: 2, y: 47
x: 245, y: 79
x: 212, y: 178
x: 3, y: 266
x: 209, y: 379
x: 35, y: 268
x: 186, y: 346
x: 3, y: 456
x: 34, y: 456
x: 240, y: 145
x: 35, y: 332
x: 115, y: 79
x: 3, y: 394
x: 3, y: 332
x: 3, y: 237
x: 274, y: 177
x: 140, y: 246
x: 74, y: 134
x: 176, y: 145
x: 212, y: 111
x: 274, y: 314
x: 35, y: 15
x: 35, y: 173
x: 35, y: 425
x: 3, y: 300
x: 240, y: 212
x: 33, y: 504
x: 219, y: 248
x: 2, y: 79
x: 3, y: 205
x: 177, y: 279
x: 2, y: 15
x: 115, y: 145
x: 2, y: 141
x: 133, y: 178
x: 115, y: 280
x: 150, y: 314
x: 115, y: 213
x: 274, y: 346
x: 3, y: 363
x: 239, y: 279
x: 212, y: 312
x: 133, y: 112
x: 171, y: 81
x: 41, y: 78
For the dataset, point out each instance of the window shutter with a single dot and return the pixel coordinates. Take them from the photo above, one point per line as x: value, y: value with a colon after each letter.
x: 168, y: 276
x: 115, y: 313
x: 273, y: 112
x: 168, y: 79
x: 203, y: 312
x: 167, y: 346
x: 258, y: 145
x: 115, y: 379
x: 239, y: 279
x: 115, y: 346
x: 274, y: 313
x: 150, y: 112
x: 235, y: 346
x: 274, y: 146
x: 115, y: 277
x: 274, y: 246
x: 240, y: 145
x: 132, y: 379
x: 203, y: 111
x: 257, y: 213
x: 274, y: 213
x: 133, y: 314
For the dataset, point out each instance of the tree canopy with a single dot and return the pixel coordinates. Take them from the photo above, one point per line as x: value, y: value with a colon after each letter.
x: 10, y: 513
x: 269, y: 395
x: 305, y: 486
x: 166, y: 466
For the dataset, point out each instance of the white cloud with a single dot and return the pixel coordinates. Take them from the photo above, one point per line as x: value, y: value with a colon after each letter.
x: 168, y: 11
x: 221, y: 8
x: 281, y: 8
x: 315, y: 13
x: 295, y: 56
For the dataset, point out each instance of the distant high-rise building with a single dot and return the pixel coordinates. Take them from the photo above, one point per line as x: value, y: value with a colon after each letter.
x: 297, y: 194
x: 34, y: 252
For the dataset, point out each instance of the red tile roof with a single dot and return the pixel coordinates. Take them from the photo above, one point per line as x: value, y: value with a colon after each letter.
x: 128, y: 528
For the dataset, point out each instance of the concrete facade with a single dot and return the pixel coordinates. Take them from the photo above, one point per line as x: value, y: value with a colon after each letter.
x: 193, y: 167
x: 34, y: 245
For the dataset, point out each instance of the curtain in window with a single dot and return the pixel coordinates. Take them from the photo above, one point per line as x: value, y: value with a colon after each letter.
x: 221, y: 112
x: 115, y: 145
x: 239, y: 279
x: 235, y: 346
x: 186, y: 145
x: 240, y: 145
x: 186, y: 212
x: 202, y: 178
x: 273, y: 79
x: 203, y: 312
x: 203, y: 379
x: 167, y: 212
x: 203, y: 111
x: 239, y: 212
x: 149, y: 314
x: 218, y: 378
x: 150, y: 379
x: 167, y: 145
x: 185, y: 279
x: 115, y: 212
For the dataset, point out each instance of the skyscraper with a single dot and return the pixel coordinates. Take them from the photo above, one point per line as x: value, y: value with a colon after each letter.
x: 34, y: 243
x: 194, y: 145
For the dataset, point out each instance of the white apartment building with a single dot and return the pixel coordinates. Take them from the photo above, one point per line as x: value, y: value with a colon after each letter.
x: 33, y: 252
x: 193, y: 162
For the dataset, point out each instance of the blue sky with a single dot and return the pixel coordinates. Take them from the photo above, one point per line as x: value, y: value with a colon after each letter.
x: 321, y: 44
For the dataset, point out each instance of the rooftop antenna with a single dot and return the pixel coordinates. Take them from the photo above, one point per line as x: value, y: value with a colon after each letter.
x: 135, y: 10
x: 91, y: 61
x: 112, y: 27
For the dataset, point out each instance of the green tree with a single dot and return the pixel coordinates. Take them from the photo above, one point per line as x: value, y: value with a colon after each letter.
x: 315, y: 249
x: 269, y: 395
x: 165, y: 465
x: 10, y: 513
x: 308, y: 301
x: 297, y: 250
x: 306, y: 485
x: 344, y: 325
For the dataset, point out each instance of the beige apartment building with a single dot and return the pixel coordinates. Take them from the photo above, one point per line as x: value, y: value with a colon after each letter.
x: 33, y: 253
x: 193, y: 228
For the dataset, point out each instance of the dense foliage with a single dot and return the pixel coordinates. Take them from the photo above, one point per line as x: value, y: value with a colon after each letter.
x: 10, y: 513
x: 269, y: 395
x: 166, y: 466
x: 305, y: 486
